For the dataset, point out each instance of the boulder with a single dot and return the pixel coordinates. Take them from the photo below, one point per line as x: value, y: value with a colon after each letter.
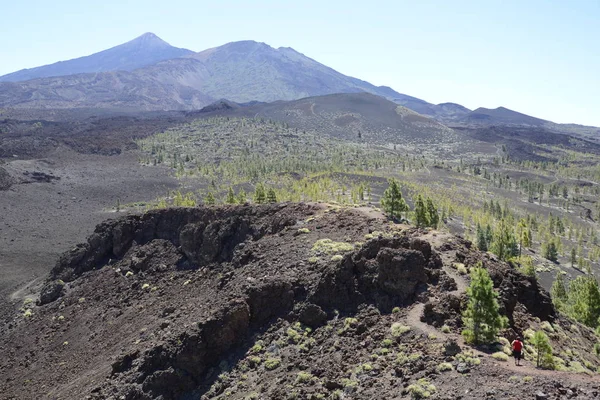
x: 51, y: 291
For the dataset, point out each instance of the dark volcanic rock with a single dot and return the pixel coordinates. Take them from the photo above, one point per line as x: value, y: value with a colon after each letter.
x: 385, y: 272
x: 51, y: 291
x: 6, y: 181
x: 311, y: 314
x: 205, y: 235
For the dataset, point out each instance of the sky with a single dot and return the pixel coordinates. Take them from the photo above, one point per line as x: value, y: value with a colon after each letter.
x: 541, y: 58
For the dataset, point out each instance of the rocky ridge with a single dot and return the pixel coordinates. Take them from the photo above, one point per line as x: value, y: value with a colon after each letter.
x: 270, y: 301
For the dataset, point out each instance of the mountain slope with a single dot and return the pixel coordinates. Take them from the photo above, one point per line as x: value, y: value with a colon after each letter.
x: 110, y: 90
x: 354, y: 116
x: 239, y: 71
x: 145, y: 50
x: 248, y: 70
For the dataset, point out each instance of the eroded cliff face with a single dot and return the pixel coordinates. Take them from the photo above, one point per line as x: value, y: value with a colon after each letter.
x: 155, y: 305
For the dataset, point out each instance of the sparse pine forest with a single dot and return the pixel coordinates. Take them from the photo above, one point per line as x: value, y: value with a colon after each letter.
x: 540, y: 215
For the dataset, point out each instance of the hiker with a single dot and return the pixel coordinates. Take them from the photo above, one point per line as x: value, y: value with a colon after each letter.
x: 517, y: 349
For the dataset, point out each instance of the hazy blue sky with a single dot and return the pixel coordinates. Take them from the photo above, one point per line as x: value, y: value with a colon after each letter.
x: 538, y: 57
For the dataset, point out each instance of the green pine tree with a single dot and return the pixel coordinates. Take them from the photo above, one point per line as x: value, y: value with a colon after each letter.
x: 504, y: 244
x: 541, y: 343
x: 391, y: 201
x: 230, y: 199
x: 583, y: 302
x: 209, y: 199
x: 432, y: 213
x: 421, y: 217
x: 260, y: 195
x: 558, y: 292
x: 481, y: 239
x: 550, y: 250
x: 242, y: 197
x: 482, y: 318
x: 271, y: 196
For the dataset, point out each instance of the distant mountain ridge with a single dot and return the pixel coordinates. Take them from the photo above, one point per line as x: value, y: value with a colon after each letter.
x: 241, y: 71
x: 149, y: 74
x: 142, y: 51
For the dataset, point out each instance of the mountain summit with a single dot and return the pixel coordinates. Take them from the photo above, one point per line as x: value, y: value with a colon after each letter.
x: 247, y: 70
x: 142, y: 51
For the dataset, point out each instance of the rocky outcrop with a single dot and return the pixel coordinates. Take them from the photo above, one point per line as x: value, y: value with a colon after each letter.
x: 385, y: 272
x: 202, y: 235
x: 6, y: 181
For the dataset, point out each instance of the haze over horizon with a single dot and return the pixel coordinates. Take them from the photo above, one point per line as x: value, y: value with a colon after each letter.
x: 537, y: 59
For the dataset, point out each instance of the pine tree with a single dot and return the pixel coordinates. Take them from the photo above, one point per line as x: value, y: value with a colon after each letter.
x: 489, y: 234
x: 481, y: 239
x: 242, y: 197
x: 209, y: 199
x: 271, y: 196
x: 523, y: 235
x: 504, y: 244
x: 550, y: 250
x: 482, y: 318
x: 573, y: 257
x: 230, y: 199
x: 432, y: 213
x: 391, y: 201
x: 558, y: 292
x: 583, y: 302
x: 544, y: 350
x: 260, y: 195
x: 421, y: 217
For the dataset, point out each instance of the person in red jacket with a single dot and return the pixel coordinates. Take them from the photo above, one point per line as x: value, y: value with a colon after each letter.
x: 517, y: 349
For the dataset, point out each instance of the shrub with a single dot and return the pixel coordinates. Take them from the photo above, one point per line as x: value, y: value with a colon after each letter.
x: 422, y: 389
x: 303, y: 230
x: 500, y: 356
x: 445, y: 366
x: 328, y: 246
x: 272, y: 363
x: 254, y: 361
x: 547, y: 326
x: 468, y: 358
x: 336, y: 257
x: 445, y: 329
x: 461, y: 268
x: 398, y: 329
x: 367, y: 367
x: 257, y: 348
x: 294, y: 335
x: 303, y: 377
x: 395, y: 310
x: 383, y: 352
